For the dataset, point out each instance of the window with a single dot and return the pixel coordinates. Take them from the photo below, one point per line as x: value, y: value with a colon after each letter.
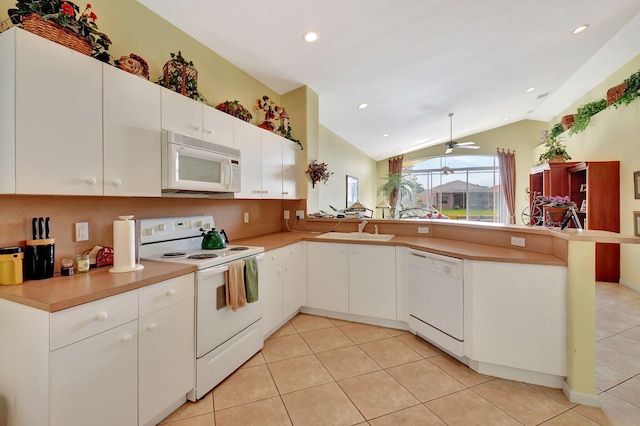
x: 461, y: 187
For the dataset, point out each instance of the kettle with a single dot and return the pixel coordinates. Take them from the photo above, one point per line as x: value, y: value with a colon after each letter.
x: 213, y: 239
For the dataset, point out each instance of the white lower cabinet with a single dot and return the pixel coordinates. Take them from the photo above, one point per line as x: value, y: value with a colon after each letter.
x: 282, y: 285
x: 358, y: 279
x: 94, y: 381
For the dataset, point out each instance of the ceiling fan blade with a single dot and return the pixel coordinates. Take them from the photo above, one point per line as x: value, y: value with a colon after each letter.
x: 469, y: 146
x: 465, y: 143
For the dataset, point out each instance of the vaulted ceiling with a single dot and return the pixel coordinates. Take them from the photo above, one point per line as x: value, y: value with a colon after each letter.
x: 415, y: 61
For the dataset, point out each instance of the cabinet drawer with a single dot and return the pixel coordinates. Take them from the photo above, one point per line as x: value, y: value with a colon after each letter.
x: 166, y: 293
x: 80, y: 322
x: 277, y: 256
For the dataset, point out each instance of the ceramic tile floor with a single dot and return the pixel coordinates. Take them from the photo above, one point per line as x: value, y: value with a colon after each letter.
x: 320, y: 371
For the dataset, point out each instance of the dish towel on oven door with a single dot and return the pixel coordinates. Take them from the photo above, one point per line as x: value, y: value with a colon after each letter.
x: 251, y: 278
x: 234, y: 285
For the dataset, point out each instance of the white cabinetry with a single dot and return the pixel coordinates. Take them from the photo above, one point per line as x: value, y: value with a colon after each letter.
x: 283, y: 284
x: 131, y: 114
x: 192, y: 118
x: 290, y: 163
x: 124, y: 360
x: 54, y: 128
x: 358, y: 279
x: 271, y: 165
x: 166, y: 347
x: 247, y: 139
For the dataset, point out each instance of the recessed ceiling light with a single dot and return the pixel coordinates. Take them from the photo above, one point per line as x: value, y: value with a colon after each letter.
x: 530, y: 89
x: 506, y: 119
x: 385, y: 135
x: 580, y: 29
x: 310, y: 36
x: 363, y: 106
x: 543, y: 95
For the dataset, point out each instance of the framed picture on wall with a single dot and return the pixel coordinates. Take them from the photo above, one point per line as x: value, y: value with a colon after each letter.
x: 636, y: 224
x: 636, y: 185
x: 352, y: 190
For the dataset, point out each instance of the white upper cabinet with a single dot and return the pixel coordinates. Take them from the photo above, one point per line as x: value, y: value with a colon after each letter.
x: 57, y: 120
x: 248, y: 140
x: 132, y: 137
x: 290, y: 162
x: 192, y: 118
x: 271, y: 165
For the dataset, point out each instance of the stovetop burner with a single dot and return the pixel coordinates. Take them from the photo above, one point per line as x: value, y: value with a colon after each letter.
x: 202, y: 256
x: 238, y: 248
x: 175, y: 254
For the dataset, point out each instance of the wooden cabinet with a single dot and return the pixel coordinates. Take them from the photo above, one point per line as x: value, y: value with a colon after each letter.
x: 597, y: 183
x: 131, y: 135
x: 352, y: 278
x: 192, y: 118
x: 282, y: 286
x: 52, y: 123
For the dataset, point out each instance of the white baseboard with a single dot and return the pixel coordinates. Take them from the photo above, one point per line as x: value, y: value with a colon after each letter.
x: 632, y: 286
x: 400, y: 325
x: 580, y: 397
x: 518, y: 374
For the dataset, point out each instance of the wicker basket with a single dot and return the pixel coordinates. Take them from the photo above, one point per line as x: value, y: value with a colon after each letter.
x: 56, y: 33
x: 183, y: 73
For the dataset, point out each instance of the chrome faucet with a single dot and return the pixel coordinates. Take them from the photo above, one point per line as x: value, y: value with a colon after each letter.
x: 362, y: 224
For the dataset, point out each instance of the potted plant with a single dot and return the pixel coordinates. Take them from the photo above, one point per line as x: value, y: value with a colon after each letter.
x: 556, y: 151
x: 61, y: 22
x: 631, y: 89
x: 584, y: 114
x: 235, y: 109
x: 318, y: 172
x: 395, y: 188
x: 556, y: 130
x: 181, y: 76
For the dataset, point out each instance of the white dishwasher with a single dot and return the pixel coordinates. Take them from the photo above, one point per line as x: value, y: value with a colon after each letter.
x: 436, y: 299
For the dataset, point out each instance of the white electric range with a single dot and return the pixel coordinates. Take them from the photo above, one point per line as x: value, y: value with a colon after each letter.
x: 225, y: 339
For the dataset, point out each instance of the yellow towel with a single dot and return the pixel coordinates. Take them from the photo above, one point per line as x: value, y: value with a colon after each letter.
x: 234, y: 285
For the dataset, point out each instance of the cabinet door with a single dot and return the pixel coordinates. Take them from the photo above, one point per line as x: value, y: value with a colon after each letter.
x: 290, y: 164
x: 328, y: 274
x: 217, y: 126
x: 291, y: 285
x: 271, y: 165
x: 58, y: 119
x: 166, y: 358
x: 132, y: 135
x: 271, y: 295
x: 181, y: 114
x: 95, y: 381
x: 372, y: 281
x: 246, y: 138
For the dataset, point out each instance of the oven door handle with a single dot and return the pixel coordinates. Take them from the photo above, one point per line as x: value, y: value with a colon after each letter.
x: 221, y: 269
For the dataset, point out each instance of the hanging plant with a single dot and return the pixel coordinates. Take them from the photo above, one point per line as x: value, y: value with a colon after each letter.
x: 631, y: 91
x: 584, y: 114
x: 318, y: 172
x: 556, y: 130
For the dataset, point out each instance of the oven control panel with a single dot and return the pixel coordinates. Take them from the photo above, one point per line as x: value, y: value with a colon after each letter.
x: 172, y: 228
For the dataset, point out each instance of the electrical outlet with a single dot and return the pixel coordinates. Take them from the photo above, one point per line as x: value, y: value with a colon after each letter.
x: 82, y: 231
x: 286, y: 214
x: 516, y: 241
x: 246, y: 217
x: 423, y: 229
x: 299, y: 214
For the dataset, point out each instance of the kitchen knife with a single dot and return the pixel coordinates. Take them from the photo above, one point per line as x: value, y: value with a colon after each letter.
x: 34, y: 227
x: 40, y: 227
x: 47, y: 227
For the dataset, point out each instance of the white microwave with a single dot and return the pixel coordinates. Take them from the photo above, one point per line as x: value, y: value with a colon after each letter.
x: 194, y: 166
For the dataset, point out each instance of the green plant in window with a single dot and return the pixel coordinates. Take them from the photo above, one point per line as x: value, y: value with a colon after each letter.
x: 583, y: 116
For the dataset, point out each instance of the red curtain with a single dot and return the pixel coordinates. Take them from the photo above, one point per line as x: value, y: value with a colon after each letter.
x: 507, y: 164
x: 395, y: 167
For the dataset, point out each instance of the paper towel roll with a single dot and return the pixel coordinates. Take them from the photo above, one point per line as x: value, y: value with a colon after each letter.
x: 124, y: 246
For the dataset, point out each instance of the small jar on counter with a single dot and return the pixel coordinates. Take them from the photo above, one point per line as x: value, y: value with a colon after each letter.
x: 67, y: 268
x: 83, y: 263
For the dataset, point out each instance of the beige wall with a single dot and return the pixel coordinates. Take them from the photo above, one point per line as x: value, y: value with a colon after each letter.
x: 344, y: 159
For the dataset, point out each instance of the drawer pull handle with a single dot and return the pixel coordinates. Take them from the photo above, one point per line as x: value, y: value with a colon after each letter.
x: 152, y: 326
x: 171, y: 292
x: 102, y: 316
x: 126, y: 338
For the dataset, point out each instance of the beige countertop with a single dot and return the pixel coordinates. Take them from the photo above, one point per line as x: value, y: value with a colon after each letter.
x: 453, y: 248
x: 57, y: 293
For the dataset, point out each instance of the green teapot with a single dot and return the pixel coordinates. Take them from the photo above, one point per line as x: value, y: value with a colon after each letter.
x: 213, y: 239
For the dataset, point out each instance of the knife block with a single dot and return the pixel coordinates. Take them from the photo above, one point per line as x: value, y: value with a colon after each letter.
x: 39, y: 259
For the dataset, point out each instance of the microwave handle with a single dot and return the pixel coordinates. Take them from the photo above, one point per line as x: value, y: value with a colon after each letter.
x: 228, y: 172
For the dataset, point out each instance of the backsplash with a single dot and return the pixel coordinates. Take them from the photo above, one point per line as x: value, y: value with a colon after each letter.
x: 16, y: 211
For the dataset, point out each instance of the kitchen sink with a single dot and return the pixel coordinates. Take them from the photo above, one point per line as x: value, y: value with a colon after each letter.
x: 362, y: 236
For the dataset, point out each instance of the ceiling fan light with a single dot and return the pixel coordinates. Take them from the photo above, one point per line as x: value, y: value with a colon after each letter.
x: 310, y: 36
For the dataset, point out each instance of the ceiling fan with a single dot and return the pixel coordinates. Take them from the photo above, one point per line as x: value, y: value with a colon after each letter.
x: 453, y: 144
